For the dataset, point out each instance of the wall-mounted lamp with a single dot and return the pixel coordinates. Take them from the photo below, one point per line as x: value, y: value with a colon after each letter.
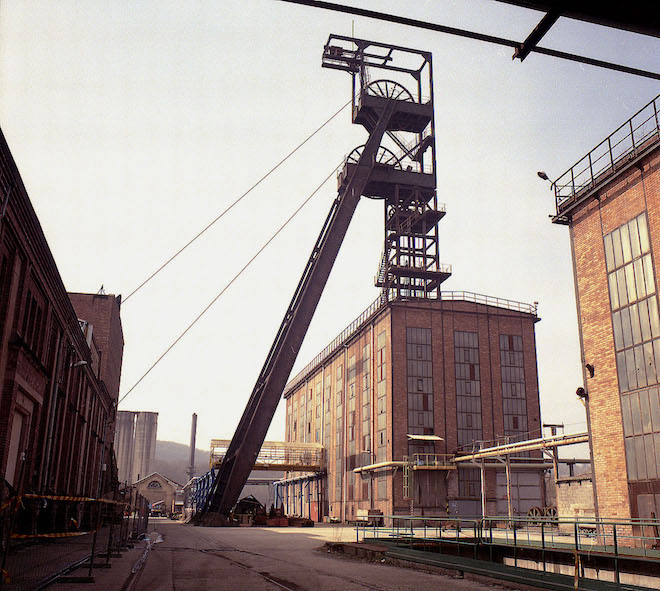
x: 582, y: 393
x: 78, y: 364
x: 591, y: 369
x: 545, y: 177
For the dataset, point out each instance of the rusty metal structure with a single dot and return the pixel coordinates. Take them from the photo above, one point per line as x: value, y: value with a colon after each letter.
x: 396, y: 164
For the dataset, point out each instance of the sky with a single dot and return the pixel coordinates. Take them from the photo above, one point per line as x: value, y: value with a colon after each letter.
x: 135, y: 123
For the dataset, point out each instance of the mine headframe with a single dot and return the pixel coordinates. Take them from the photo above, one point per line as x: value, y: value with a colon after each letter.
x: 404, y: 173
x: 406, y: 182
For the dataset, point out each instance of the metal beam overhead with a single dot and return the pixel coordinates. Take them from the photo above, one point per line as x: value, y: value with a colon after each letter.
x: 520, y: 446
x: 636, y: 16
x: 471, y: 35
x: 536, y: 35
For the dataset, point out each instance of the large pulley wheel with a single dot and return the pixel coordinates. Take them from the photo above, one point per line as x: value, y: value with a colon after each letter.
x: 389, y: 89
x: 383, y: 156
x: 535, y: 513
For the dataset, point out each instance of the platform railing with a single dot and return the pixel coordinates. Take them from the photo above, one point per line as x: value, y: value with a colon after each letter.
x: 637, y: 538
x: 478, y: 298
x: 624, y: 143
x: 433, y: 460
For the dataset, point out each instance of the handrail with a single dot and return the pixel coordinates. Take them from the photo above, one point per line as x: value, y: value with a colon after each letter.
x: 637, y: 133
x: 625, y: 538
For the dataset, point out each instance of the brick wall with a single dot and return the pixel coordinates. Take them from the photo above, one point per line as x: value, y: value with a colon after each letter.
x: 102, y: 311
x: 625, y: 197
x: 53, y: 409
x: 443, y: 318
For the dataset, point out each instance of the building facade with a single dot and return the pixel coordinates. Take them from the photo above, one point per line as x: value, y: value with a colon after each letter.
x: 56, y: 411
x: 412, y: 383
x: 100, y: 315
x: 610, y: 201
x: 163, y: 494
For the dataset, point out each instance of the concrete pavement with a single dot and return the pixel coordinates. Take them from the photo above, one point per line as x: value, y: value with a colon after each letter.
x: 182, y: 557
x: 237, y: 559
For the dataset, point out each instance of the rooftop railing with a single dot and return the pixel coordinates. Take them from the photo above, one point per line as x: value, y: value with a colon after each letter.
x: 339, y: 340
x: 624, y: 144
x: 382, y: 301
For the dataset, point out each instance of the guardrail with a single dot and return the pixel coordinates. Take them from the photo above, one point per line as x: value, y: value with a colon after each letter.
x: 432, y: 460
x: 478, y: 298
x: 632, y: 537
x: 613, y: 152
x: 590, y: 553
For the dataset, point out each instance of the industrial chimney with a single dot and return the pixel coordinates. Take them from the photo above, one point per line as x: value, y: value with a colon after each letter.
x: 193, y: 436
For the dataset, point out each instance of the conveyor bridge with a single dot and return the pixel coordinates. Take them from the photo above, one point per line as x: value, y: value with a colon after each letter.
x: 277, y: 455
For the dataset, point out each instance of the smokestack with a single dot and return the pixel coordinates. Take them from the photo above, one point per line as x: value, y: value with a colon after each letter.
x: 193, y: 436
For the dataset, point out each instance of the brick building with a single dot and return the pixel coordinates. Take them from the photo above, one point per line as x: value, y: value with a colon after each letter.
x: 415, y: 380
x: 59, y: 377
x: 610, y: 201
x: 101, y: 317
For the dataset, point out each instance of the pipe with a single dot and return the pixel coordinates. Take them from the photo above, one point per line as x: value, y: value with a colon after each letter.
x: 378, y: 466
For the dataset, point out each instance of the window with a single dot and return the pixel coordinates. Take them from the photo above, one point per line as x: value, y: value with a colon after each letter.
x: 636, y: 333
x: 420, y: 381
x: 513, y: 385
x: 469, y: 483
x: 34, y: 322
x: 468, y: 387
x: 381, y: 398
x: 154, y: 484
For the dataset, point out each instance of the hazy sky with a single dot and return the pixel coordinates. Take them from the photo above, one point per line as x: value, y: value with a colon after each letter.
x: 134, y: 123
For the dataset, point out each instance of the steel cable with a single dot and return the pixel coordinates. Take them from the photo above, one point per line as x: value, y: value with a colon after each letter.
x: 231, y: 206
x: 226, y: 287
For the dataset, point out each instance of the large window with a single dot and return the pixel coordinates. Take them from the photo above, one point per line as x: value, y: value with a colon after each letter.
x: 513, y: 386
x: 381, y: 409
x: 420, y: 383
x: 636, y: 328
x: 469, y: 483
x: 366, y: 400
x: 339, y: 431
x: 468, y: 387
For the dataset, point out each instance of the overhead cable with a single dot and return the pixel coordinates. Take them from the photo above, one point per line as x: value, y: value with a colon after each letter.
x: 263, y: 178
x: 226, y: 287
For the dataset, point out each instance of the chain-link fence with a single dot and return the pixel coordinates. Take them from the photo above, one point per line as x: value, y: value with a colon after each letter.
x: 48, y: 537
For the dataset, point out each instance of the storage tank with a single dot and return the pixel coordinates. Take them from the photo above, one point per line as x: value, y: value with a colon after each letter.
x: 124, y: 444
x: 146, y: 427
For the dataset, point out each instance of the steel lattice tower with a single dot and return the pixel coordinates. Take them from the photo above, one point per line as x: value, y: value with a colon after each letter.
x: 404, y: 171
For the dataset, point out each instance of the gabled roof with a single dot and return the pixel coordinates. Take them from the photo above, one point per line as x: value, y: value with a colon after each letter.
x: 176, y: 484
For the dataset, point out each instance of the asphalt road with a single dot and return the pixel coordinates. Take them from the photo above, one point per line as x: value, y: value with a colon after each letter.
x: 270, y: 559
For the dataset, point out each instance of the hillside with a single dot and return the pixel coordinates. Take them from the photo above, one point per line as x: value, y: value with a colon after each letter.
x: 171, y: 460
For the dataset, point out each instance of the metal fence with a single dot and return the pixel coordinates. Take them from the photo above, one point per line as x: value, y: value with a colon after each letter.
x: 617, y: 543
x: 632, y: 537
x: 45, y: 538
